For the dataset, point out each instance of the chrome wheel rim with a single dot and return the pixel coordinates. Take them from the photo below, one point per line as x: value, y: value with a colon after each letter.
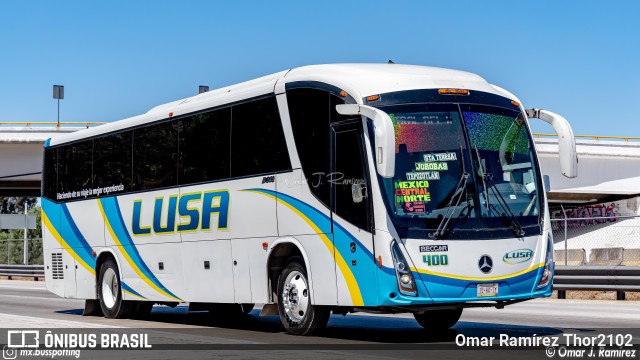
x: 295, y: 296
x: 110, y: 288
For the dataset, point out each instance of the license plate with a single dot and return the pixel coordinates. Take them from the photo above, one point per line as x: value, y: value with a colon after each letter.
x: 487, y: 290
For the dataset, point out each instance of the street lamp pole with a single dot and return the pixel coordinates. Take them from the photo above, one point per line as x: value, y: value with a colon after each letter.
x: 58, y: 93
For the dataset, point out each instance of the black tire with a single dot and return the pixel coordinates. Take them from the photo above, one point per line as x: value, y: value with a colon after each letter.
x: 438, y: 320
x: 297, y: 318
x: 110, y: 297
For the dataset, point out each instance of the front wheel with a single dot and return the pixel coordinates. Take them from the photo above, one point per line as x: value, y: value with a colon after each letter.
x: 435, y: 320
x: 297, y: 313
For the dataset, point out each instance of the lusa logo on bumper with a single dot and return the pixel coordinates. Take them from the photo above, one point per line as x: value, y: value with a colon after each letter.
x: 517, y: 256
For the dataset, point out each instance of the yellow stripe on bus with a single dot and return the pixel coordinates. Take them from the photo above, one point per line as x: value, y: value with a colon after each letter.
x: 129, y: 259
x: 64, y: 244
x: 470, y: 278
x: 136, y: 295
x: 352, y: 284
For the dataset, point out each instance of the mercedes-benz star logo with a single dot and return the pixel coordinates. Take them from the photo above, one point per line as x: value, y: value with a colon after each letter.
x: 485, y: 264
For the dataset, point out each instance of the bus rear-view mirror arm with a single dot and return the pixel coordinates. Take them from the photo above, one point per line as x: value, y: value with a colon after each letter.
x: 566, y: 140
x: 385, y: 142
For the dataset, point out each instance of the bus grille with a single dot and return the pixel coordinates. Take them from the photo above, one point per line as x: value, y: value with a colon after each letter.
x: 56, y: 266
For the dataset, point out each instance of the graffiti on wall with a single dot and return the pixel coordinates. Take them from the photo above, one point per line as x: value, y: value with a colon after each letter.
x: 588, y: 215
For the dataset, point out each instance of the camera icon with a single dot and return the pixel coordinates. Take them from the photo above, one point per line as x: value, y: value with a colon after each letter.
x: 9, y: 353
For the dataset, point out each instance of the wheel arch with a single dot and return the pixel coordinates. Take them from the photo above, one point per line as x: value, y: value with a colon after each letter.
x: 279, y: 253
x: 101, y: 256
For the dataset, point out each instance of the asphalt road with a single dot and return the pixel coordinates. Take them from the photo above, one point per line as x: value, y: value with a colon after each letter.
x: 29, y: 305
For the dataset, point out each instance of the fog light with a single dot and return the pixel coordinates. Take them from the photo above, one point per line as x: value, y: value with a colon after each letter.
x: 405, y: 279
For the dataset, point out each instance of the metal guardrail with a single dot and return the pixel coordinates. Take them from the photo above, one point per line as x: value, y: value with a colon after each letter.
x: 592, y: 137
x: 34, y: 271
x: 57, y: 124
x: 597, y: 278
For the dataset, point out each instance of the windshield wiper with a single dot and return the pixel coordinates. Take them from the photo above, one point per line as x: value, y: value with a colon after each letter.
x: 506, y: 213
x: 484, y: 183
x: 460, y: 190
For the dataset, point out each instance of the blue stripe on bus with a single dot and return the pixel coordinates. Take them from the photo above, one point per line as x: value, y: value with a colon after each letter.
x: 365, y: 268
x: 128, y: 289
x: 73, y: 236
x: 114, y: 216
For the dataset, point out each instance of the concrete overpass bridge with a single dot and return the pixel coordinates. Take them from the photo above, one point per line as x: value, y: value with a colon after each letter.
x: 21, y: 153
x: 608, y: 168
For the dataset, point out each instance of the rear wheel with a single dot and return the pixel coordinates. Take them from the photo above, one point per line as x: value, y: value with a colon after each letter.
x: 435, y: 320
x: 110, y: 293
x: 298, y: 315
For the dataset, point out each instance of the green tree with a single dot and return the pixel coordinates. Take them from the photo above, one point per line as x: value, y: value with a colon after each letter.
x: 11, y: 252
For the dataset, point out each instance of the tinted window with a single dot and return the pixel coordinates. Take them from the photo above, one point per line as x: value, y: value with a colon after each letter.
x: 155, y: 156
x: 349, y: 171
x: 204, y: 146
x: 50, y: 179
x: 112, y: 160
x: 257, y: 140
x: 74, y: 168
x: 309, y: 112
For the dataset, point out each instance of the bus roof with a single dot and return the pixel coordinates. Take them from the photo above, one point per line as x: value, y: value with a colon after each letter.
x: 359, y: 80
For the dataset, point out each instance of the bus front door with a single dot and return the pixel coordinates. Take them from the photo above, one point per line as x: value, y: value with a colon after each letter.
x: 350, y: 213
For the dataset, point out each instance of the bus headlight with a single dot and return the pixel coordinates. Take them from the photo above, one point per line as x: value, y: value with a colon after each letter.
x: 406, y: 283
x: 547, y: 273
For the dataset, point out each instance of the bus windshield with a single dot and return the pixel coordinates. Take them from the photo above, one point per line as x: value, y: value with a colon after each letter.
x: 503, y: 158
x: 471, y: 164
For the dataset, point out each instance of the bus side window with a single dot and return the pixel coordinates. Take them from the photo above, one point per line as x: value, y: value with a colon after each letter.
x: 75, y: 167
x: 309, y: 112
x: 112, y: 160
x: 50, y: 180
x: 155, y: 156
x: 257, y: 140
x: 204, y: 147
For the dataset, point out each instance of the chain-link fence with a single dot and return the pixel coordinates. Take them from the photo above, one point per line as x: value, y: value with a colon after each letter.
x: 600, y: 240
x: 12, y: 252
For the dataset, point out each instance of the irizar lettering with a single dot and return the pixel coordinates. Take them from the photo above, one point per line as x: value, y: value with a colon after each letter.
x: 196, y: 211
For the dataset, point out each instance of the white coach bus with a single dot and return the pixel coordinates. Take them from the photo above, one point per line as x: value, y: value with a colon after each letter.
x: 329, y: 188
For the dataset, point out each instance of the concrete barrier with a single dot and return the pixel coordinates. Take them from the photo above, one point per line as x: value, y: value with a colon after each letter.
x: 575, y: 257
x: 606, y: 256
x: 631, y: 257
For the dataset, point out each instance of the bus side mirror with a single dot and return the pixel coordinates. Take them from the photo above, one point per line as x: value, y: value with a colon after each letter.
x: 566, y: 140
x: 385, y: 140
x: 358, y: 193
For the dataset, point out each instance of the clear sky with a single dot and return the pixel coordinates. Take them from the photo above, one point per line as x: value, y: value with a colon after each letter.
x: 120, y: 58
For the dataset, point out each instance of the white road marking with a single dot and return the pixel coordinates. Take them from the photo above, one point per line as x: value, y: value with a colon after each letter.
x: 23, y: 322
x: 22, y: 285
